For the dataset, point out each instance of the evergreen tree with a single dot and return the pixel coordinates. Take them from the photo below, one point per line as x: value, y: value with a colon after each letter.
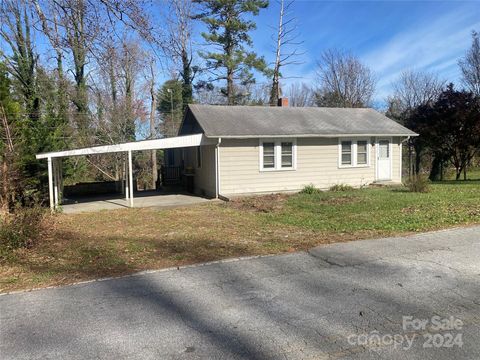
x: 170, y: 107
x: 228, y: 31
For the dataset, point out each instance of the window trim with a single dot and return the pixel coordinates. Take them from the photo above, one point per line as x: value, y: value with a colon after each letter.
x: 354, y: 142
x: 277, y: 154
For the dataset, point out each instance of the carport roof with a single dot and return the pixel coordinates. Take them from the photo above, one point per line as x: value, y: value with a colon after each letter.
x: 156, y: 144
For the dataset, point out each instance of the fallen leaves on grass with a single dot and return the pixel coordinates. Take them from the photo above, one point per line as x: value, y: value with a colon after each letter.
x: 111, y: 243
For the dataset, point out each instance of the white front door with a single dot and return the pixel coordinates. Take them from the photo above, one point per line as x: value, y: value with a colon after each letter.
x: 384, y: 163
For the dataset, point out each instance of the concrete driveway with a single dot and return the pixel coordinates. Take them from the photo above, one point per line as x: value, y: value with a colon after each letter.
x: 374, y: 299
x: 149, y: 199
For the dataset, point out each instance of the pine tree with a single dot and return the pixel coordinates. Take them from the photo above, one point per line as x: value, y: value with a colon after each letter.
x: 170, y: 107
x: 229, y: 32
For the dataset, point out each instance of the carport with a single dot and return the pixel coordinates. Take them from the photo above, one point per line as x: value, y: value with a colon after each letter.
x: 54, y: 159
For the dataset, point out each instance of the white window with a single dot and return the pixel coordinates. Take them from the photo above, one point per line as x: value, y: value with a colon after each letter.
x: 362, y: 152
x: 287, y: 154
x: 384, y: 149
x: 346, y: 153
x: 277, y: 155
x: 354, y: 153
x: 268, y: 155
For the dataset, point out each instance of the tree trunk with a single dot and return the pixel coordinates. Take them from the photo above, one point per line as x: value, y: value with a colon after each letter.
x: 418, y: 156
x: 129, y: 117
x: 62, y: 90
x: 230, y: 88
x: 187, y: 91
x: 153, y: 155
x: 436, y: 171
x: 418, y: 160
x: 275, y: 92
x: 4, y: 193
x: 441, y: 170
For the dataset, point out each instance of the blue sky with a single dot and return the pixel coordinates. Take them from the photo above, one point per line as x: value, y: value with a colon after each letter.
x: 388, y: 36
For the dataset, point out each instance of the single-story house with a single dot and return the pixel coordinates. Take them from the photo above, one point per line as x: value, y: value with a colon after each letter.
x: 273, y: 149
x: 223, y: 151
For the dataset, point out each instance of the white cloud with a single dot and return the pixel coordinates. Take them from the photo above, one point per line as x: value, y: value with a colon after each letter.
x: 433, y: 46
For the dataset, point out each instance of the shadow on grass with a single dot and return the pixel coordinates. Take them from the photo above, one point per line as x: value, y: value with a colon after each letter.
x: 81, y: 258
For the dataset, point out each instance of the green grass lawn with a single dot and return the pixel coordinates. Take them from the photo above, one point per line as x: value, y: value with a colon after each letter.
x: 110, y: 243
x: 383, y: 209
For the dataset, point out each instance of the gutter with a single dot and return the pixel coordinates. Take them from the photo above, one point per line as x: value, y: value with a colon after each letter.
x: 311, y: 136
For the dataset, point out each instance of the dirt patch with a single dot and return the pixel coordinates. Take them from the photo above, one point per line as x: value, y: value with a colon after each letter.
x: 264, y: 203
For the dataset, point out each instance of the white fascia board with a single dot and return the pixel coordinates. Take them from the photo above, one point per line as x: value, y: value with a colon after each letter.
x: 310, y: 136
x: 156, y: 144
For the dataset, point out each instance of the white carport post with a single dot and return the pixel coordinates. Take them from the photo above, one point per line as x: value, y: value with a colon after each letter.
x: 130, y: 176
x: 50, y: 183
x: 127, y: 190
x: 56, y: 182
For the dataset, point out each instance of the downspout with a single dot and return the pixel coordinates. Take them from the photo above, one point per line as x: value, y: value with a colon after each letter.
x: 217, y: 168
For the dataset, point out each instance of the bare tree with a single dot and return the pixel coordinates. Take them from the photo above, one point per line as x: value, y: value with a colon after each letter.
x: 9, y: 174
x: 415, y: 88
x: 81, y: 29
x: 300, y: 95
x: 343, y: 81
x: 179, y: 45
x: 15, y: 30
x: 153, y: 109
x: 286, y: 46
x: 470, y: 65
x: 49, y: 19
x: 212, y: 96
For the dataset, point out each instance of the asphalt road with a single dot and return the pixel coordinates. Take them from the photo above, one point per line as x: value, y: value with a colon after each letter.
x: 396, y: 298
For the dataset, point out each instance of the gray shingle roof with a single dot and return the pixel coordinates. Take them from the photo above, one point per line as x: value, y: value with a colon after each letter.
x: 263, y: 121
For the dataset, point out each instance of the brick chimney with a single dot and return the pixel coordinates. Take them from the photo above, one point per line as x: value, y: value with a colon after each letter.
x: 282, y: 102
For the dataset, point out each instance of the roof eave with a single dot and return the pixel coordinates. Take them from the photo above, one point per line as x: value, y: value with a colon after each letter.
x: 306, y: 136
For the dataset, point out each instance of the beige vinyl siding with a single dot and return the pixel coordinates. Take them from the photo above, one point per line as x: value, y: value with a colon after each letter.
x: 317, y: 164
x: 205, y: 175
